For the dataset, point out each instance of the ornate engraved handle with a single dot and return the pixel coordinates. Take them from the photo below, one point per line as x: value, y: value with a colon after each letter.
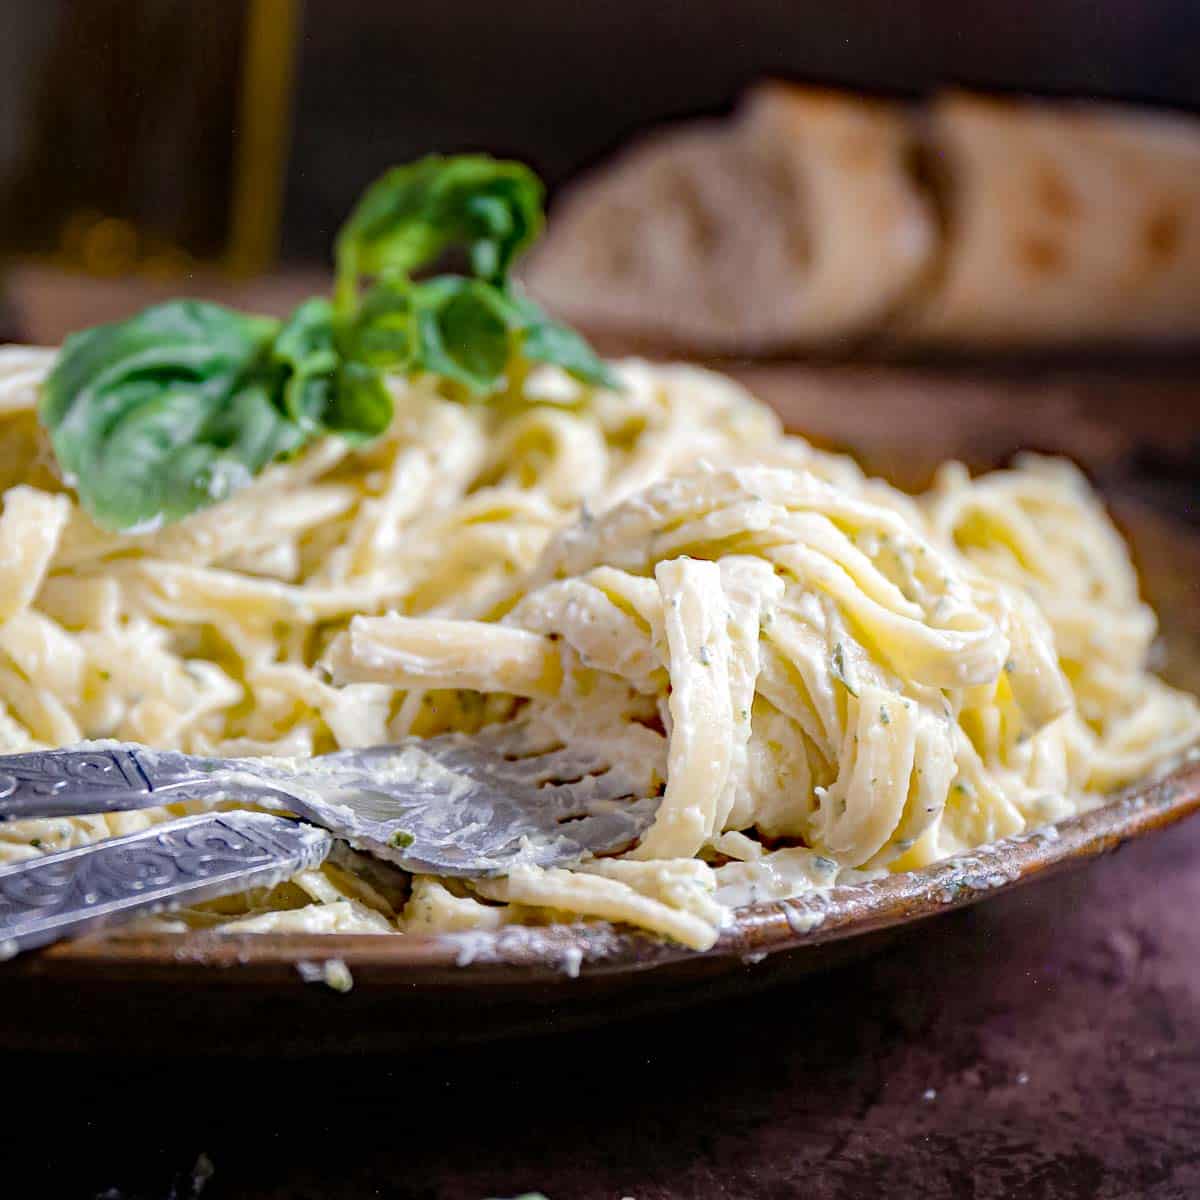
x: 64, y: 783
x: 167, y: 866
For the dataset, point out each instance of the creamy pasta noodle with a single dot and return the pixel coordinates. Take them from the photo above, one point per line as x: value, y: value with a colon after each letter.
x: 824, y: 676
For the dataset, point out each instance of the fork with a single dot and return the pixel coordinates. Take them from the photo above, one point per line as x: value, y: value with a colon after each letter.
x: 454, y: 805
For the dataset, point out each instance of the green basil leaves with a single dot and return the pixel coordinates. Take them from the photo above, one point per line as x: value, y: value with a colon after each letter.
x: 176, y: 408
x: 408, y: 217
x: 464, y: 328
x: 165, y: 413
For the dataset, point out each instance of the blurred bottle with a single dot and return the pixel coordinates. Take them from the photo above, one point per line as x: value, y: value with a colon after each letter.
x: 148, y: 136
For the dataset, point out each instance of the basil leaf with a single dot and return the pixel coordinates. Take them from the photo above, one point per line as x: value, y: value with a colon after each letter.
x: 545, y: 340
x: 143, y: 414
x: 176, y: 408
x: 405, y: 220
x: 461, y: 331
x: 465, y: 330
x: 361, y: 406
x: 383, y: 333
x: 320, y: 391
x: 448, y: 326
x: 305, y: 353
x: 413, y: 214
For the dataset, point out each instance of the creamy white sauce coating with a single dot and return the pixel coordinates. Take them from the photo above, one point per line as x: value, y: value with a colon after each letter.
x: 815, y: 667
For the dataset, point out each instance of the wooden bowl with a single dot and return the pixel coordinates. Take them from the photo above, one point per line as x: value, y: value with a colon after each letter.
x: 245, y: 994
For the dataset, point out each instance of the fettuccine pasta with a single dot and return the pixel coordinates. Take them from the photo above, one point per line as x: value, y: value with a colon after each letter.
x: 821, y: 675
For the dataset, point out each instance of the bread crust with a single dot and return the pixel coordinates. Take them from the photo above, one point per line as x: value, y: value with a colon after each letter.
x: 795, y: 225
x: 804, y: 223
x: 1065, y: 223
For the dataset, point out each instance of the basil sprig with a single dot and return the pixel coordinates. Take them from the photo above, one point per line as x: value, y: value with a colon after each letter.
x: 176, y: 408
x: 465, y: 328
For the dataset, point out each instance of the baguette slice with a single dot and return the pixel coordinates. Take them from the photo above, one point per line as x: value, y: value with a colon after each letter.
x: 795, y: 225
x: 1064, y: 223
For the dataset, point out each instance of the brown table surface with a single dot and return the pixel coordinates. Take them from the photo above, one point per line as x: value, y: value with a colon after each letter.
x: 1046, y: 1044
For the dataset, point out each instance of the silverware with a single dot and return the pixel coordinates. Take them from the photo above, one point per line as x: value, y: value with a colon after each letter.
x: 453, y: 805
x: 167, y: 866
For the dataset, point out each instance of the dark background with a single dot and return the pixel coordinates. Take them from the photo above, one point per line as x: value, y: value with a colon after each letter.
x: 560, y: 83
x: 556, y: 82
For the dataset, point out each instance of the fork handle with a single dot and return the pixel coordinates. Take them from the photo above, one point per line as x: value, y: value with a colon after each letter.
x: 64, y: 783
x: 167, y: 866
